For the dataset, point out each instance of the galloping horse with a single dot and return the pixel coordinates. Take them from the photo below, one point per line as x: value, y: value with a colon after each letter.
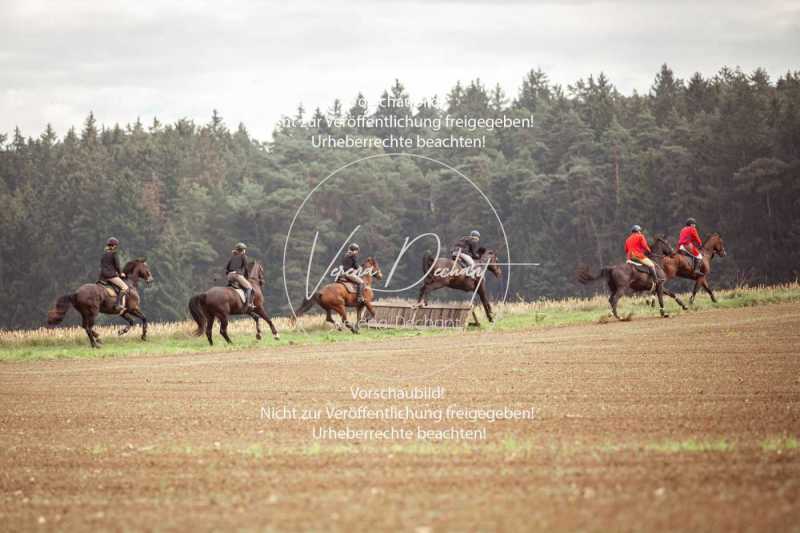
x: 92, y: 299
x: 444, y: 272
x: 336, y: 297
x: 678, y: 265
x: 221, y: 302
x: 626, y: 278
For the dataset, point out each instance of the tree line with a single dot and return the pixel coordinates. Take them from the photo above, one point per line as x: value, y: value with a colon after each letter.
x: 724, y: 149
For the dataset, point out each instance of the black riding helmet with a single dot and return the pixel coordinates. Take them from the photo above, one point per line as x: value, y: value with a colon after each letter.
x: 691, y: 221
x: 112, y: 241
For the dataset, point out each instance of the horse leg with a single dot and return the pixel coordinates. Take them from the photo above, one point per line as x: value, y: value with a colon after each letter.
x: 258, y: 326
x: 694, y: 290
x: 342, y: 311
x: 487, y: 307
x: 674, y: 297
x: 223, y: 328
x: 660, y: 294
x: 370, y: 309
x: 329, y: 318
x: 138, y: 314
x: 260, y: 311
x: 88, y: 326
x: 704, y: 284
x: 127, y: 317
x: 614, y: 300
x: 475, y: 318
x: 209, y: 324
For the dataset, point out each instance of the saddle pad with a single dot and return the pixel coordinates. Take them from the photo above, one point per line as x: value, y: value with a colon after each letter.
x: 240, y: 292
x: 111, y: 292
x: 349, y: 285
x: 638, y: 266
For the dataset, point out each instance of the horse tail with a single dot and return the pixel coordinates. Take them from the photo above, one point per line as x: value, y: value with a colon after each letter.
x: 56, y: 314
x: 197, y: 304
x: 427, y: 261
x: 308, y: 303
x: 584, y: 274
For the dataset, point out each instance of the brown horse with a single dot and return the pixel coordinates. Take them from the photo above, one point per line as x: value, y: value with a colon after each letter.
x: 221, y: 302
x: 444, y: 272
x: 92, y: 299
x: 336, y: 297
x: 625, y: 278
x: 679, y: 265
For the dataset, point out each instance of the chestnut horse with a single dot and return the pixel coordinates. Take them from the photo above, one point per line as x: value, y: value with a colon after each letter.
x: 221, y: 302
x: 92, y: 299
x: 336, y: 297
x: 678, y: 265
x: 444, y: 272
x: 625, y: 278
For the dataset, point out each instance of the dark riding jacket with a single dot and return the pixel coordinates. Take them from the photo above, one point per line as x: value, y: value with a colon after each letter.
x: 237, y: 263
x: 109, y: 265
x: 468, y: 245
x: 349, y: 262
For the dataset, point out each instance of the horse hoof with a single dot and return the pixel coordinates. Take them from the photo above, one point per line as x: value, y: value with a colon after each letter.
x: 258, y: 337
x: 276, y: 337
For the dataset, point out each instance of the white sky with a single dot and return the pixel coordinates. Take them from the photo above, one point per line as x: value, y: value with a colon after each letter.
x: 256, y: 60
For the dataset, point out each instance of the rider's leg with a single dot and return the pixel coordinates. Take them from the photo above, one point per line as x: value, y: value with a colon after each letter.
x: 248, y: 289
x: 123, y: 290
x: 359, y: 283
x: 468, y: 260
x: 653, y: 269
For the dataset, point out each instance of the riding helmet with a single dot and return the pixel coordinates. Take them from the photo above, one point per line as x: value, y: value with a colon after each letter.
x: 691, y: 222
x: 475, y: 233
x: 353, y: 247
x: 112, y: 241
x: 636, y: 228
x: 241, y: 246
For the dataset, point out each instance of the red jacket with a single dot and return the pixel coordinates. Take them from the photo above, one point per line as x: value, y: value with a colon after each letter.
x: 636, y: 246
x: 689, y: 238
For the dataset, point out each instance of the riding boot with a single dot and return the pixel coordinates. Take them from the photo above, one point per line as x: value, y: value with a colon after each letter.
x: 250, y: 293
x: 118, y: 307
x: 696, y: 266
x: 360, y: 293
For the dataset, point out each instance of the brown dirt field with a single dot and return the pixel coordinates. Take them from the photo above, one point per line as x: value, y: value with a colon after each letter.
x: 178, y: 443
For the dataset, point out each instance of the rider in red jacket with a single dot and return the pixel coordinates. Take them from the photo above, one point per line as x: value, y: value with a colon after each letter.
x: 636, y: 249
x: 689, y: 243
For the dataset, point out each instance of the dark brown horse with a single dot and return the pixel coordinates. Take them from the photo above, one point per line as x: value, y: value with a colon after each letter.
x: 336, y: 297
x: 625, y: 278
x: 680, y: 266
x: 92, y: 299
x: 221, y: 302
x: 444, y: 272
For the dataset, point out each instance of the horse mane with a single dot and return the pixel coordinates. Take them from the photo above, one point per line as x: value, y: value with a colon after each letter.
x: 481, y: 250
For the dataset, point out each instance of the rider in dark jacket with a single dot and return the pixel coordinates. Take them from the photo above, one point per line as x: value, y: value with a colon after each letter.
x: 466, y: 248
x: 237, y: 270
x: 350, y: 270
x: 111, y: 271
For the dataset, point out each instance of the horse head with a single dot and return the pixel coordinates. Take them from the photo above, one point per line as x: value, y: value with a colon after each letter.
x: 489, y: 258
x: 715, y: 245
x: 370, y: 267
x: 138, y: 269
x: 661, y: 246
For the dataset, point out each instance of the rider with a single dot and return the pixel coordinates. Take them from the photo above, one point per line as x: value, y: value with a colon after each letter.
x: 350, y: 270
x: 689, y: 243
x: 111, y: 272
x: 636, y: 248
x: 237, y: 270
x: 466, y: 248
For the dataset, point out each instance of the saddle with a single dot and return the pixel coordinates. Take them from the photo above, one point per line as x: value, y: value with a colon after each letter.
x: 111, y: 289
x: 638, y: 266
x: 349, y: 285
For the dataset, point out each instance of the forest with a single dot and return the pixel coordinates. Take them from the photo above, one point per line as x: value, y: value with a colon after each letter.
x: 723, y: 148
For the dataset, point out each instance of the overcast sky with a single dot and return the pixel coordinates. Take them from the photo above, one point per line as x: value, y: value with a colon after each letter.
x: 256, y: 60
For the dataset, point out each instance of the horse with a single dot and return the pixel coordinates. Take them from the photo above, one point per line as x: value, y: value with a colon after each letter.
x: 626, y: 278
x: 444, y: 272
x: 336, y: 297
x: 221, y: 302
x: 92, y: 299
x: 679, y: 265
